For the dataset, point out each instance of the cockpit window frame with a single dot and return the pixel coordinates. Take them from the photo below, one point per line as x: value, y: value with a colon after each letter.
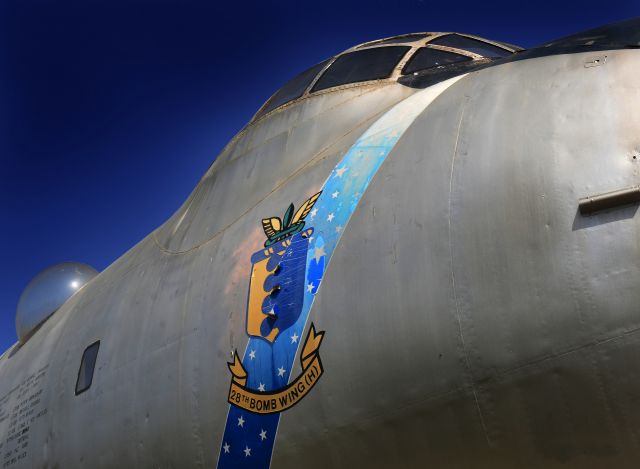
x: 413, y: 45
x: 407, y: 39
x: 401, y: 52
x: 495, y: 44
x: 320, y: 68
x: 406, y: 69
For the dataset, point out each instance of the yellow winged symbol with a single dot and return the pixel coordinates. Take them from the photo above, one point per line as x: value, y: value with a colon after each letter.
x: 277, y: 230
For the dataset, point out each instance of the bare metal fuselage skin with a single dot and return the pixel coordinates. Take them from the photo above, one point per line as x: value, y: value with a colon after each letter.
x: 473, y: 317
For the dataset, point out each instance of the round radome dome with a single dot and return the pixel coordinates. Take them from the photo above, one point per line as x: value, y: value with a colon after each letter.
x: 49, y: 290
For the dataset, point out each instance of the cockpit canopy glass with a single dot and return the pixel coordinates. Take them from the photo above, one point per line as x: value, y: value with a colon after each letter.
x: 361, y: 65
x: 472, y: 45
x: 427, y: 57
x: 377, y: 60
x: 293, y: 88
x: 394, y: 40
x: 401, y: 39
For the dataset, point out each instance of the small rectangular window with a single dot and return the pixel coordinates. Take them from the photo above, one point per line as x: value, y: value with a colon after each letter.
x: 87, y: 366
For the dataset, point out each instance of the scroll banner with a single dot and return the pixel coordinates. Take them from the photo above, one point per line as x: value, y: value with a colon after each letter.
x: 280, y: 400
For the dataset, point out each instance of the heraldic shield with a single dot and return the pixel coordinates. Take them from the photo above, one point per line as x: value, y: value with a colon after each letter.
x: 276, y: 288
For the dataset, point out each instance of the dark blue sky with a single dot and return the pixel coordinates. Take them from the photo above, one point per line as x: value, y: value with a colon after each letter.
x: 110, y: 111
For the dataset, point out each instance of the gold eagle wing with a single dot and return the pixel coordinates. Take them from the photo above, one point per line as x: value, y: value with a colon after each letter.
x: 305, y: 208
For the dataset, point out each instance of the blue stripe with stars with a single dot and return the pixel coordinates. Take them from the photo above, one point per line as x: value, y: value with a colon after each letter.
x: 249, y: 438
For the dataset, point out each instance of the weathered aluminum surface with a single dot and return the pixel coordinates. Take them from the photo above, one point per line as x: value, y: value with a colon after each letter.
x: 473, y: 317
x: 509, y: 320
x: 284, y: 151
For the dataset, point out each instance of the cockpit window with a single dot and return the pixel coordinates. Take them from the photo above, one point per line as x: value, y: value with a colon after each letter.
x: 427, y: 57
x: 361, y: 65
x: 293, y: 88
x: 405, y: 38
x: 472, y: 45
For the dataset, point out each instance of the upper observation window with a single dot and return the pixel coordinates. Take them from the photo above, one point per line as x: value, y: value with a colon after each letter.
x: 427, y: 57
x: 361, y: 65
x: 293, y: 89
x: 472, y: 45
x: 87, y: 366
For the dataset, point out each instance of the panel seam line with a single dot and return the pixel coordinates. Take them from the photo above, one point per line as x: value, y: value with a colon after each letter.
x: 453, y: 284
